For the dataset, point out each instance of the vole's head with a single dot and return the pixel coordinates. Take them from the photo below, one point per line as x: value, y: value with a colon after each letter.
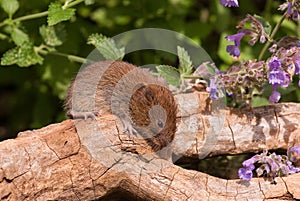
x: 158, y: 119
x: 153, y: 112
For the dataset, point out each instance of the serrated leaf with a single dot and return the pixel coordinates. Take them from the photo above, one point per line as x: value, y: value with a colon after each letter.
x: 170, y: 74
x: 185, y: 63
x: 266, y: 25
x: 52, y: 36
x: 57, y: 14
x: 205, y: 69
x: 23, y: 56
x: 10, y: 6
x: 18, y: 36
x: 106, y: 46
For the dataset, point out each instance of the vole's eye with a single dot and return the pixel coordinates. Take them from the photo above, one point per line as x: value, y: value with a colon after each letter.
x: 160, y: 123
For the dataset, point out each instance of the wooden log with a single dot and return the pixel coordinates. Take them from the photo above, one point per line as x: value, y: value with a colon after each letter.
x: 90, y: 160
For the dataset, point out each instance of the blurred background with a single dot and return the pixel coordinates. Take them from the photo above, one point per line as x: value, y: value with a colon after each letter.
x: 32, y: 97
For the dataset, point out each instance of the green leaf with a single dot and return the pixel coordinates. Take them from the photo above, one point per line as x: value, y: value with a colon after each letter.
x: 170, y: 74
x: 258, y: 101
x: 23, y: 56
x: 185, y: 63
x: 106, y: 46
x: 206, y: 69
x: 52, y: 35
x: 18, y: 36
x: 57, y: 13
x: 286, y: 90
x: 266, y: 24
x: 10, y: 6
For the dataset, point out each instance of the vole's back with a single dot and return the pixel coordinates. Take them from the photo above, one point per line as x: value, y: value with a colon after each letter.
x: 92, y: 88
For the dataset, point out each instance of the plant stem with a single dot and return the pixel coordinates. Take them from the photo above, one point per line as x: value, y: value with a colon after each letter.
x: 32, y: 16
x: 27, y: 17
x: 262, y: 53
x: 68, y: 56
x: 73, y: 3
x: 2, y: 36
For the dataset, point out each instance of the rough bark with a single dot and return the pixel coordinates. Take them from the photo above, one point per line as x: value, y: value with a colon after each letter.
x: 92, y: 160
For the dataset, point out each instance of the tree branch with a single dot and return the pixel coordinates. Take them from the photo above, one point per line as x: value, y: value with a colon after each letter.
x: 88, y: 160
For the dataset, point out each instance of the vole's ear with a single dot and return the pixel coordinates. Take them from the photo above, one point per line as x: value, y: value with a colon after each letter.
x: 149, y: 94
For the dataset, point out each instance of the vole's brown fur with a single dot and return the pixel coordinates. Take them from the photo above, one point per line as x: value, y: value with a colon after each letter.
x: 142, y: 102
x: 157, y: 116
x: 91, y: 90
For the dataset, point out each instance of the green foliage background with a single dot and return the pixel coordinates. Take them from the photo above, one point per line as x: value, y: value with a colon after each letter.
x: 31, y: 97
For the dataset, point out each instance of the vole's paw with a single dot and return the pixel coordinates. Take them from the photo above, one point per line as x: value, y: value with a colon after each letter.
x: 82, y: 115
x: 128, y: 127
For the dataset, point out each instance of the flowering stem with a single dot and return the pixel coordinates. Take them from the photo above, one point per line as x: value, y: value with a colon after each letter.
x: 262, y: 53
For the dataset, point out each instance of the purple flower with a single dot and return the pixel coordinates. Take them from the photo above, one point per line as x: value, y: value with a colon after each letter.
x: 212, y: 89
x: 289, y: 9
x: 257, y: 30
x: 229, y: 3
x: 236, y: 38
x: 296, y: 15
x: 284, y: 169
x: 262, y: 39
x: 245, y: 174
x: 233, y: 50
x: 295, y: 149
x: 271, y: 165
x: 275, y: 64
x: 272, y: 162
x: 293, y: 169
x: 263, y: 168
x: 275, y: 96
x: 250, y: 162
x: 294, y: 153
x: 292, y: 11
x: 279, y: 77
